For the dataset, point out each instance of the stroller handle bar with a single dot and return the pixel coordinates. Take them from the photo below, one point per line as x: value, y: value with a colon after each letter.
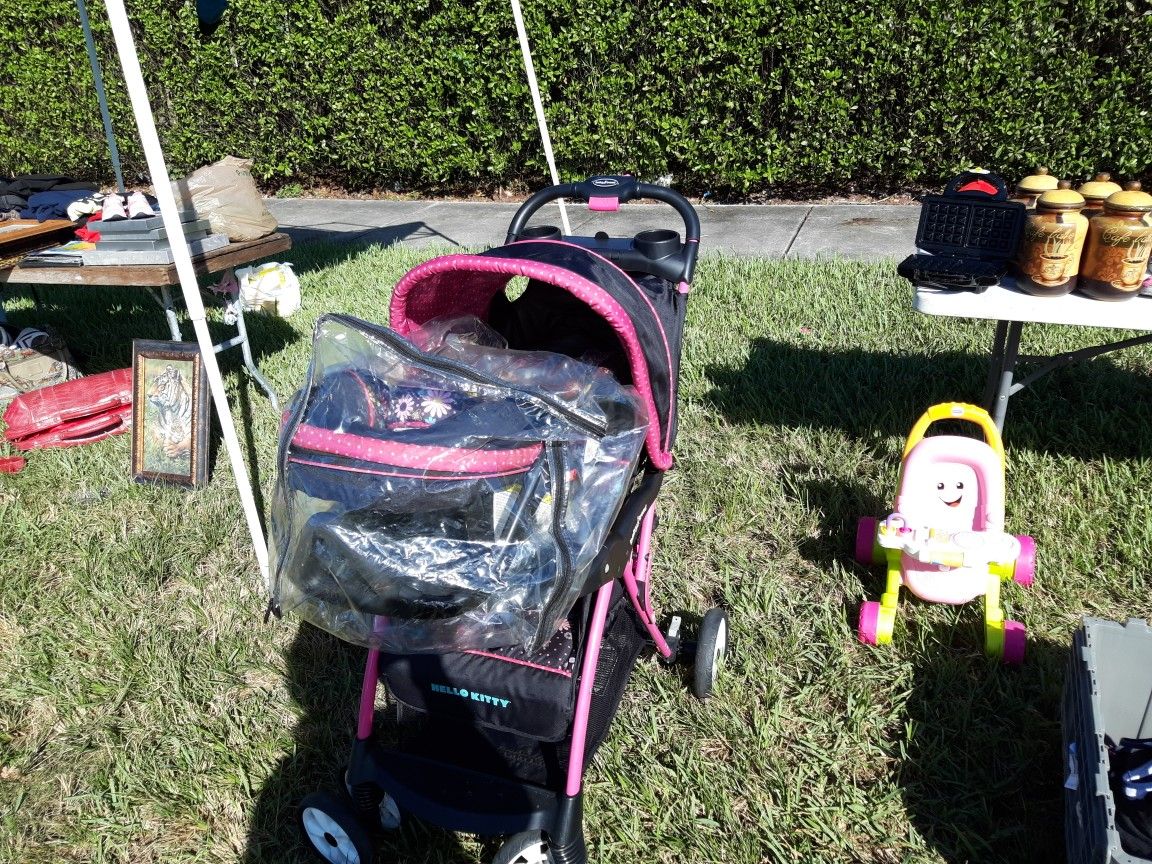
x: 605, y: 193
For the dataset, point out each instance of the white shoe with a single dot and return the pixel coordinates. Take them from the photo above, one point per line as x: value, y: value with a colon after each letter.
x: 113, y: 209
x: 138, y: 206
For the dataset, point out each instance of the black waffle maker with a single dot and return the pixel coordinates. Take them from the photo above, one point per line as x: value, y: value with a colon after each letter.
x: 968, y: 236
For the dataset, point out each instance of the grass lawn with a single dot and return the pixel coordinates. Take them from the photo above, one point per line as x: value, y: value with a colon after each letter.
x: 148, y: 714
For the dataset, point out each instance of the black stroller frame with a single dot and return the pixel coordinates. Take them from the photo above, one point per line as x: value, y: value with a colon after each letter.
x: 497, y: 743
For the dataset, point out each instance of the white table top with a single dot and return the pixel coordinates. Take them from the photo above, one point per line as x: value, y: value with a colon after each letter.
x: 1004, y: 303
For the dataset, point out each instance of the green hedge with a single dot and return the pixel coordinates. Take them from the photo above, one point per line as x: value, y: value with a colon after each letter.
x: 732, y: 96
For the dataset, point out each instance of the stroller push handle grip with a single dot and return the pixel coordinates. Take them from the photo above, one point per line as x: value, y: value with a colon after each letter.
x: 606, y: 193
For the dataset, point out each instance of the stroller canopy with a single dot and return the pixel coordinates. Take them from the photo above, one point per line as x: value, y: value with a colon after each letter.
x: 577, y: 302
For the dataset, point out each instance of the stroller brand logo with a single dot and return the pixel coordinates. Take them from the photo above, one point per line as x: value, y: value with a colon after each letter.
x: 471, y: 694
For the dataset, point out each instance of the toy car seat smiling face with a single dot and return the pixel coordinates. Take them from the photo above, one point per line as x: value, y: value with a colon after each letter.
x: 950, y: 497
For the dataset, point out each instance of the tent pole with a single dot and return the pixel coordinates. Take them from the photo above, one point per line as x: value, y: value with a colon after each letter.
x: 146, y: 124
x: 538, y: 105
x: 101, y: 97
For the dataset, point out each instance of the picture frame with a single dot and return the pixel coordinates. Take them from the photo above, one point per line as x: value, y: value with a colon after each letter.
x: 170, y: 413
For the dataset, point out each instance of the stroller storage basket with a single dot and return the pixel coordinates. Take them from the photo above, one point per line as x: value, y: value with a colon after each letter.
x: 511, y: 713
x: 446, y: 493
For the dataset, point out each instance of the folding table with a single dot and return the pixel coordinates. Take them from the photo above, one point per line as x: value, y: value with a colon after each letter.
x: 159, y: 278
x: 1011, y: 309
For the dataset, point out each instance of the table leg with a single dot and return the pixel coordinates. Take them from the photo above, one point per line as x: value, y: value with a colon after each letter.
x: 249, y: 360
x: 170, y: 313
x: 234, y: 315
x: 240, y: 340
x: 996, y: 366
x: 1011, y: 348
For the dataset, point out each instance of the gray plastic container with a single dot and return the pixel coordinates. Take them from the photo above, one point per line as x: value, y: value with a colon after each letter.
x: 1108, y: 691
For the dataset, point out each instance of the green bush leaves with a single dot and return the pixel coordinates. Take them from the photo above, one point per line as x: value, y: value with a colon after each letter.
x: 732, y: 96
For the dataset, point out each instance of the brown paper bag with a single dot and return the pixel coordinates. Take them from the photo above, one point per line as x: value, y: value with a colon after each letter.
x: 225, y: 194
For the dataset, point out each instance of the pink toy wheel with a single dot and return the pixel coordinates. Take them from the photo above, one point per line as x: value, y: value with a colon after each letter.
x: 866, y: 540
x: 869, y: 627
x: 1025, y: 569
x: 1015, y: 639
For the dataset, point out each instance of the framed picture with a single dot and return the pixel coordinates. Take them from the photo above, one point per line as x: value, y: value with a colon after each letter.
x: 170, y: 417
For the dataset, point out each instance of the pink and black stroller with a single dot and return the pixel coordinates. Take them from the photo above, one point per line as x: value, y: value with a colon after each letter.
x: 471, y: 495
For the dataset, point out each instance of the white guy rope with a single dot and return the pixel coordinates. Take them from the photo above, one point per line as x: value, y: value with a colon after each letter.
x: 189, y: 284
x: 530, y: 70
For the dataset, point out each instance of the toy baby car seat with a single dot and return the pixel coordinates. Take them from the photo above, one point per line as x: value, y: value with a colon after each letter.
x: 945, y: 540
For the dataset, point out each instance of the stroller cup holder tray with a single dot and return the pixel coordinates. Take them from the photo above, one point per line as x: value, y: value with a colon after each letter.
x: 657, y: 252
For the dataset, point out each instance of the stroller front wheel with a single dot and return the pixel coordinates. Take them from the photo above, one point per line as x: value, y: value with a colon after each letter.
x: 369, y: 801
x: 527, y: 847
x: 711, y: 648
x: 389, y: 813
x: 334, y: 831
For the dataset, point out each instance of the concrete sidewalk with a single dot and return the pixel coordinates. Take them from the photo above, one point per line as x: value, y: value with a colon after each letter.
x: 859, y: 232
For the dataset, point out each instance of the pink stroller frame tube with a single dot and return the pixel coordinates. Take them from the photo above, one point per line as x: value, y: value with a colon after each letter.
x: 584, y: 697
x: 639, y: 569
x: 368, y: 686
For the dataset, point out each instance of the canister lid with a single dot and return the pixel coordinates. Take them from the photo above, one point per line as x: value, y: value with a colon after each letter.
x: 1099, y: 187
x: 1060, y: 199
x: 1036, y: 183
x: 1130, y: 200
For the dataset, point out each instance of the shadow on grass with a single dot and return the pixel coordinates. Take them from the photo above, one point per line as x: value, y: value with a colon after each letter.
x: 981, y: 767
x: 324, y: 678
x: 99, y: 324
x: 1085, y: 410
x: 340, y: 245
x: 978, y: 757
x: 323, y: 681
x: 842, y: 504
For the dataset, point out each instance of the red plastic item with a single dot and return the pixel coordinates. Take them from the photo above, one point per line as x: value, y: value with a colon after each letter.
x: 87, y: 232
x: 72, y: 413
x: 12, y: 464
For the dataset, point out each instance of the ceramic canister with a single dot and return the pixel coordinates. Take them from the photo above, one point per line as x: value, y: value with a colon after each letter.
x: 1049, y: 255
x: 1095, y: 191
x: 1119, y: 242
x: 1033, y: 186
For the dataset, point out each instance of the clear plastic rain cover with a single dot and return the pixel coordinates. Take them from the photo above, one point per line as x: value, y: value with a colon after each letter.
x: 446, y: 493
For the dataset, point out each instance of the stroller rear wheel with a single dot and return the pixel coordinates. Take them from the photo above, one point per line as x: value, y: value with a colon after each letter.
x: 711, y: 648
x: 334, y: 831
x: 527, y: 847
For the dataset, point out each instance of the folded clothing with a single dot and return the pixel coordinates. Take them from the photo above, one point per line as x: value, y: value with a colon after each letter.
x: 28, y: 337
x: 54, y: 204
x: 1130, y: 776
x: 15, y: 191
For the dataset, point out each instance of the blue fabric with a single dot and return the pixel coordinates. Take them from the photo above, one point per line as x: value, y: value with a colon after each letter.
x: 43, y: 206
x: 210, y: 12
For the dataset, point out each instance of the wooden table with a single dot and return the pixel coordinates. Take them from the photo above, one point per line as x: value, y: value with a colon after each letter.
x: 161, y: 278
x: 18, y: 237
